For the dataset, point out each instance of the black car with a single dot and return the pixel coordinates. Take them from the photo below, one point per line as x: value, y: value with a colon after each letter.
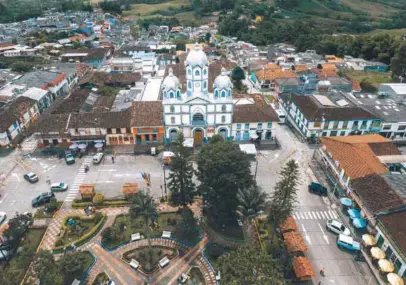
x: 31, y: 177
x: 318, y: 189
x: 42, y: 199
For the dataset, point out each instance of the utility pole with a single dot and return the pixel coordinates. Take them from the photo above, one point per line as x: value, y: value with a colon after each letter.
x: 166, y: 195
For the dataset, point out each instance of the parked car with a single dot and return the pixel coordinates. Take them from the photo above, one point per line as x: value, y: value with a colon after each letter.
x: 348, y: 243
x: 69, y: 158
x: 336, y: 227
x: 3, y: 217
x: 42, y: 199
x: 318, y: 189
x: 31, y: 177
x: 98, y: 158
x: 59, y: 187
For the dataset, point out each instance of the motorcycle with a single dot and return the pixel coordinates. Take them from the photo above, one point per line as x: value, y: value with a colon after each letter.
x: 359, y: 257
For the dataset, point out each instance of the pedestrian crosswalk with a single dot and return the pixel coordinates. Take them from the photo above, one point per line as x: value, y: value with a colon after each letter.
x: 80, y: 177
x: 315, y: 215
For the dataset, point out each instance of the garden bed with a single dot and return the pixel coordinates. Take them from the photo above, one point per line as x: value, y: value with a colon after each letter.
x: 228, y: 229
x: 42, y: 214
x: 142, y: 256
x: 196, y: 277
x: 126, y: 226
x: 107, y: 203
x: 101, y: 279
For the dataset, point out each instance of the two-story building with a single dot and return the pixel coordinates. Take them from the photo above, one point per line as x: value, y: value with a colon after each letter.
x: 324, y: 116
x: 41, y: 96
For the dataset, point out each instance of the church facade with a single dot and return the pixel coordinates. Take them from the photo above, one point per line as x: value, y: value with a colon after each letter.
x: 197, y: 113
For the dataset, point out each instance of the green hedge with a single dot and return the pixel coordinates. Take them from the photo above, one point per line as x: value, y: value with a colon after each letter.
x: 105, y: 204
x: 83, y: 239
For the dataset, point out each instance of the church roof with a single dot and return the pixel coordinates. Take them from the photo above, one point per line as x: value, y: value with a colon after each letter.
x: 196, y: 57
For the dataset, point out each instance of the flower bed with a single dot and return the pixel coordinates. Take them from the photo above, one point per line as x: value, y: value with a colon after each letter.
x: 101, y: 279
x: 81, y: 204
x: 41, y: 213
x: 95, y: 223
x: 142, y: 256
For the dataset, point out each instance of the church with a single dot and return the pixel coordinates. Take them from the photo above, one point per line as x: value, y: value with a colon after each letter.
x: 197, y: 113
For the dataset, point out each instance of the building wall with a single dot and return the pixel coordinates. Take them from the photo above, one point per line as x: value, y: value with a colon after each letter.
x: 242, y: 131
x: 394, y: 130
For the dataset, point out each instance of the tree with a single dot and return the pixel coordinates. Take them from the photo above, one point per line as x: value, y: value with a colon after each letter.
x: 110, y: 6
x: 237, y: 75
x: 398, y: 63
x: 46, y: 269
x: 223, y: 169
x: 207, y: 37
x: 251, y: 202
x: 249, y: 265
x: 143, y: 205
x: 181, y: 175
x: 72, y: 264
x: 20, y: 66
x: 187, y: 228
x: 98, y: 198
x: 285, y: 194
x: 17, y: 228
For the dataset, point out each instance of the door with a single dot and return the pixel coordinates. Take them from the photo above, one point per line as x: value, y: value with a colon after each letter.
x: 173, y: 135
x: 223, y: 133
x: 198, y: 137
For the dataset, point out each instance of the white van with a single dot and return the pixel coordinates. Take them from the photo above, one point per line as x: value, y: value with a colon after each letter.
x: 281, y: 116
x: 98, y: 157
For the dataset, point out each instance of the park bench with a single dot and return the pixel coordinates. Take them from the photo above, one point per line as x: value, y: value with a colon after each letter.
x: 135, y: 237
x: 164, y: 261
x: 166, y: 234
x: 134, y: 264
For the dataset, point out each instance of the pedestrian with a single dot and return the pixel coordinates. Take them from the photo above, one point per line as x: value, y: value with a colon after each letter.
x: 319, y: 283
x: 48, y: 180
x: 322, y: 271
x: 112, y: 159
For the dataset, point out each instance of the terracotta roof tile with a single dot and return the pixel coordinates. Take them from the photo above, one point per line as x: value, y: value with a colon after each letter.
x: 356, y: 86
x: 146, y: 114
x: 396, y: 226
x: 355, y: 155
x: 294, y: 242
x: 254, y: 113
x: 271, y: 74
x: 303, y: 267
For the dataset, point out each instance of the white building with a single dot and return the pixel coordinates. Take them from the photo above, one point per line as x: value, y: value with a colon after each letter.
x: 394, y: 91
x: 197, y: 113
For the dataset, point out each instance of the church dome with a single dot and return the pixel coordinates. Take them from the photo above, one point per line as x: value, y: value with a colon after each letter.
x: 197, y: 57
x: 171, y: 82
x: 223, y: 81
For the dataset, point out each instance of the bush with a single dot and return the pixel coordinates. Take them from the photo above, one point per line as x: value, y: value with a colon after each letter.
x: 98, y: 217
x: 98, y: 199
x: 52, y: 205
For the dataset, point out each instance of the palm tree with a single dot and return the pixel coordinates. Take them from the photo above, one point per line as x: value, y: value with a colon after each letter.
x: 252, y: 202
x: 143, y: 205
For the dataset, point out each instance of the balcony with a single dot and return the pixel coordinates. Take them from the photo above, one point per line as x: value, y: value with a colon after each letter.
x: 199, y: 123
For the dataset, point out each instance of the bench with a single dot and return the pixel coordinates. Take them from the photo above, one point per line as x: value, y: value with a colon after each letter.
x: 166, y: 234
x: 164, y: 261
x: 134, y: 264
x: 135, y: 237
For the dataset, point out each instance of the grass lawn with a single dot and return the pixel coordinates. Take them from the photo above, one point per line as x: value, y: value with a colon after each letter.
x: 148, y: 9
x: 196, y: 277
x: 74, y: 232
x: 369, y: 80
x: 101, y: 279
x: 41, y: 213
x: 127, y: 226
x: 142, y: 256
x: 213, y: 251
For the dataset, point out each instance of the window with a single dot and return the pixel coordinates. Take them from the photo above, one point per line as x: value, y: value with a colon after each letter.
x: 323, y: 134
x: 269, y: 125
x: 326, y: 123
x: 204, y: 85
x: 342, y: 133
x: 216, y: 94
x: 189, y: 85
x: 364, y: 124
x: 197, y: 73
x: 223, y: 119
x: 76, y: 131
x: 402, y: 128
x: 223, y: 93
x: 335, y: 125
x: 259, y: 126
x: 345, y: 125
x: 128, y: 131
x: 172, y: 109
x: 317, y: 124
x: 154, y: 137
x: 223, y: 108
x: 171, y: 95
x: 189, y: 72
x: 172, y: 120
x: 118, y: 131
x: 333, y: 133
x: 387, y: 127
x: 165, y: 94
x: 147, y: 138
x: 205, y: 71
x: 198, y: 117
x: 247, y: 126
x: 229, y: 93
x: 376, y: 124
x: 108, y: 131
x: 178, y: 94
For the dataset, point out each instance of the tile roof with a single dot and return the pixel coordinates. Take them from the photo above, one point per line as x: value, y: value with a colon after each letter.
x: 271, y: 74
x: 314, y: 111
x: 356, y: 156
x: 355, y: 85
x: 13, y: 111
x: 146, y: 114
x: 396, y: 227
x: 376, y: 194
x: 254, y: 113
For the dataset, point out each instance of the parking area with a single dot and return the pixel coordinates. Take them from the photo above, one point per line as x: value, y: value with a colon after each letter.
x: 108, y: 178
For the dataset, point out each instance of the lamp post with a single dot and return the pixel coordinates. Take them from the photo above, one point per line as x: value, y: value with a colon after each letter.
x: 163, y: 168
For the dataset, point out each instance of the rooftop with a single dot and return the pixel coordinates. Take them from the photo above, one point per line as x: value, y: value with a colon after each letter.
x: 13, y: 111
x: 396, y: 226
x: 146, y: 113
x: 250, y: 113
x: 39, y: 78
x: 399, y: 88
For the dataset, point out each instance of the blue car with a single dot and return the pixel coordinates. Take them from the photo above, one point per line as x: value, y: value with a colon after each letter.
x: 348, y: 243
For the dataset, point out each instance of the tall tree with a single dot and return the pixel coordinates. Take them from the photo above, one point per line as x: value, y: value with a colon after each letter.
x: 251, y: 202
x: 46, y: 269
x: 237, y: 75
x: 250, y: 265
x: 398, y: 63
x: 188, y: 228
x: 17, y: 228
x: 72, y: 264
x: 285, y: 194
x: 223, y: 169
x: 143, y: 205
x: 181, y: 175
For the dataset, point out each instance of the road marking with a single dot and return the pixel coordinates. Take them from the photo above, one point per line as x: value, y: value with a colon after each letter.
x: 331, y: 214
x: 318, y: 215
x: 296, y: 216
x: 322, y: 214
x: 301, y: 216
x: 324, y: 235
x: 334, y: 214
x: 310, y: 215
x: 305, y: 214
x: 4, y: 197
x: 16, y: 176
x: 306, y: 235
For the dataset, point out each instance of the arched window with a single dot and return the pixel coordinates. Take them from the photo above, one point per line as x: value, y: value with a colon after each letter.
x: 216, y: 93
x: 223, y: 93
x: 165, y: 94
x: 172, y: 109
x: 178, y: 94
x: 223, y: 119
x: 198, y: 117
x: 197, y: 72
x: 223, y: 108
x: 171, y: 94
x: 204, y: 85
x: 172, y: 120
x: 205, y: 71
x: 189, y: 71
x: 229, y: 93
x: 189, y: 85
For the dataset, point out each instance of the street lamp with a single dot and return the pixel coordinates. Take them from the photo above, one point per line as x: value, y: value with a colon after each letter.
x: 163, y: 168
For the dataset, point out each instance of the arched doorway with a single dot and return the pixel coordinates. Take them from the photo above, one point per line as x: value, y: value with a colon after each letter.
x: 198, y: 137
x: 223, y: 132
x: 173, y: 135
x: 197, y: 118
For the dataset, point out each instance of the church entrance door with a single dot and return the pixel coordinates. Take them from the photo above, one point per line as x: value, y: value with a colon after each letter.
x: 198, y: 137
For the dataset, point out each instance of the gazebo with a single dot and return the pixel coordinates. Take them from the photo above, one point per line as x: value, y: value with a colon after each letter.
x: 129, y: 189
x: 303, y: 268
x: 289, y: 225
x: 294, y: 242
x: 87, y: 191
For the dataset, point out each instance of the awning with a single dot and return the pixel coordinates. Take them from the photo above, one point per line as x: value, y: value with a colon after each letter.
x: 368, y: 240
x: 385, y: 266
x: 394, y: 279
x: 359, y: 223
x: 248, y: 148
x: 346, y: 202
x: 354, y: 213
x: 377, y: 253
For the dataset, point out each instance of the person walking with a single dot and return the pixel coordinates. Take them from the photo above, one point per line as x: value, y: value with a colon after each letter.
x: 112, y: 159
x: 322, y: 271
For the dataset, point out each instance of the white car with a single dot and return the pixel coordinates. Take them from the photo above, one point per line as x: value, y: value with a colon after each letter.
x: 336, y: 227
x: 3, y: 217
x: 59, y: 187
x: 97, y: 158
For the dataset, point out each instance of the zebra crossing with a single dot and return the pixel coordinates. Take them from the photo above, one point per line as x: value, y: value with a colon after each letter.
x: 80, y: 177
x: 315, y: 215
